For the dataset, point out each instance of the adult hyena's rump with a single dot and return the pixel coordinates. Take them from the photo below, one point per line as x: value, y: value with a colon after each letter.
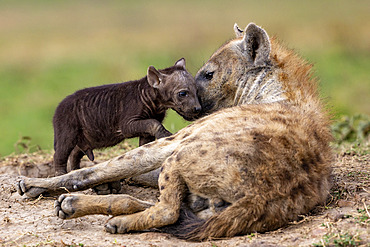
x: 270, y: 163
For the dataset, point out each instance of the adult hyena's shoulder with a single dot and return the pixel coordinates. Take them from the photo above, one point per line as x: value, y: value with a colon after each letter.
x: 277, y: 120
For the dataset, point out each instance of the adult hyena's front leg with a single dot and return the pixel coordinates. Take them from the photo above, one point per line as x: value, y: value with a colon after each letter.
x: 76, y: 205
x: 165, y: 212
x: 73, y: 181
x: 148, y: 179
x: 138, y: 161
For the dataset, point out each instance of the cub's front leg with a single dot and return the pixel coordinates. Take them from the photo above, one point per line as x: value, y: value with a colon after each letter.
x: 144, y: 127
x: 145, y: 139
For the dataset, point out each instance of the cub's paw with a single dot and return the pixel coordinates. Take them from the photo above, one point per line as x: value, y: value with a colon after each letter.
x: 24, y: 187
x: 65, y: 207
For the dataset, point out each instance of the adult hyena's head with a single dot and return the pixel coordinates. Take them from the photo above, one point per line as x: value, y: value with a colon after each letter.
x: 239, y: 72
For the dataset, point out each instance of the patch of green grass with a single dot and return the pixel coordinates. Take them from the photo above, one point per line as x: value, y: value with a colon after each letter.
x: 351, y: 128
x: 338, y: 240
x: 352, y: 134
x: 363, y: 218
x: 341, y: 239
x: 251, y: 236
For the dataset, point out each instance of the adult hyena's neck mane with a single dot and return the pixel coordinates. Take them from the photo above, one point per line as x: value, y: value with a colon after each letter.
x: 295, y: 76
x: 285, y: 77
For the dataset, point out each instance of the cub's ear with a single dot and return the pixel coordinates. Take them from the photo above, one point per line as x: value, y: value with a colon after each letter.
x: 238, y: 31
x: 181, y: 63
x: 256, y: 44
x: 154, y: 77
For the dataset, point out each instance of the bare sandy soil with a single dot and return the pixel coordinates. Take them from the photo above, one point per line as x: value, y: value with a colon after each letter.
x: 343, y: 221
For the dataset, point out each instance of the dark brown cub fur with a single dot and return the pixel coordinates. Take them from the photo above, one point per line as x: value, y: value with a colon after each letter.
x: 103, y: 116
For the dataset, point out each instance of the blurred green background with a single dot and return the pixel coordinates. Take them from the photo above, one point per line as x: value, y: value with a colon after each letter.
x: 49, y: 49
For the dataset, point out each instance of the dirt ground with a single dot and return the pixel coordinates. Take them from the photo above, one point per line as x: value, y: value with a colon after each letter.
x: 343, y: 221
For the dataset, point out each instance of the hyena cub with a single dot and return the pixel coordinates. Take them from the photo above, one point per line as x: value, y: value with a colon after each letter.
x: 103, y: 116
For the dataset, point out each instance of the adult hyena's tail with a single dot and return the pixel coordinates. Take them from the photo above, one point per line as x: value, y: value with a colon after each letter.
x: 248, y: 214
x: 186, y: 223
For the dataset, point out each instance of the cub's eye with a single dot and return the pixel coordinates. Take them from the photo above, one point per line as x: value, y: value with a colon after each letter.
x: 183, y: 93
x: 209, y: 75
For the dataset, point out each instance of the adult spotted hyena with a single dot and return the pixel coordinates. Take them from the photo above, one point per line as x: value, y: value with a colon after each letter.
x: 267, y: 156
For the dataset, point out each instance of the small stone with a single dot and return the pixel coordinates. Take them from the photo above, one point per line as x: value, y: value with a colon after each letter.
x: 344, y: 203
x: 318, y: 232
x: 336, y: 217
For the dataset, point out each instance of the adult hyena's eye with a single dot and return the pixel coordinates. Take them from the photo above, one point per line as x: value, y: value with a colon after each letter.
x: 183, y: 93
x: 209, y: 75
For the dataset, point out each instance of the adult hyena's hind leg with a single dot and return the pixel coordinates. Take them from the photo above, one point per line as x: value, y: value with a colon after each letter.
x: 76, y: 205
x: 164, y: 212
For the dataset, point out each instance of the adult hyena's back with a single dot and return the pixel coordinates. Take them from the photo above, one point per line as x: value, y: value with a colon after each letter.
x: 272, y: 146
x: 271, y: 159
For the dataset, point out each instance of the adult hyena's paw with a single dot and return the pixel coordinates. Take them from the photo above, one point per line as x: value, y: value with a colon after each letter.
x: 108, y: 188
x: 65, y: 207
x: 118, y: 224
x: 24, y: 187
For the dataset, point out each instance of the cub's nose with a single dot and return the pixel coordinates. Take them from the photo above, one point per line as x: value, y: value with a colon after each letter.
x: 197, y: 109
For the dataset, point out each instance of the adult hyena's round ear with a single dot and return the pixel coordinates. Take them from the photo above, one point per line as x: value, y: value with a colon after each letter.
x: 256, y: 45
x: 154, y: 77
x: 238, y: 31
x: 181, y: 62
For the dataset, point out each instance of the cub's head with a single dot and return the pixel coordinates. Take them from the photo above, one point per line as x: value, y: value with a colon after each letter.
x: 177, y: 89
x: 238, y: 60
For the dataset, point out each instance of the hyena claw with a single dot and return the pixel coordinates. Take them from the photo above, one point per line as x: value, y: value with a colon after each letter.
x: 31, y: 192
x: 110, y: 228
